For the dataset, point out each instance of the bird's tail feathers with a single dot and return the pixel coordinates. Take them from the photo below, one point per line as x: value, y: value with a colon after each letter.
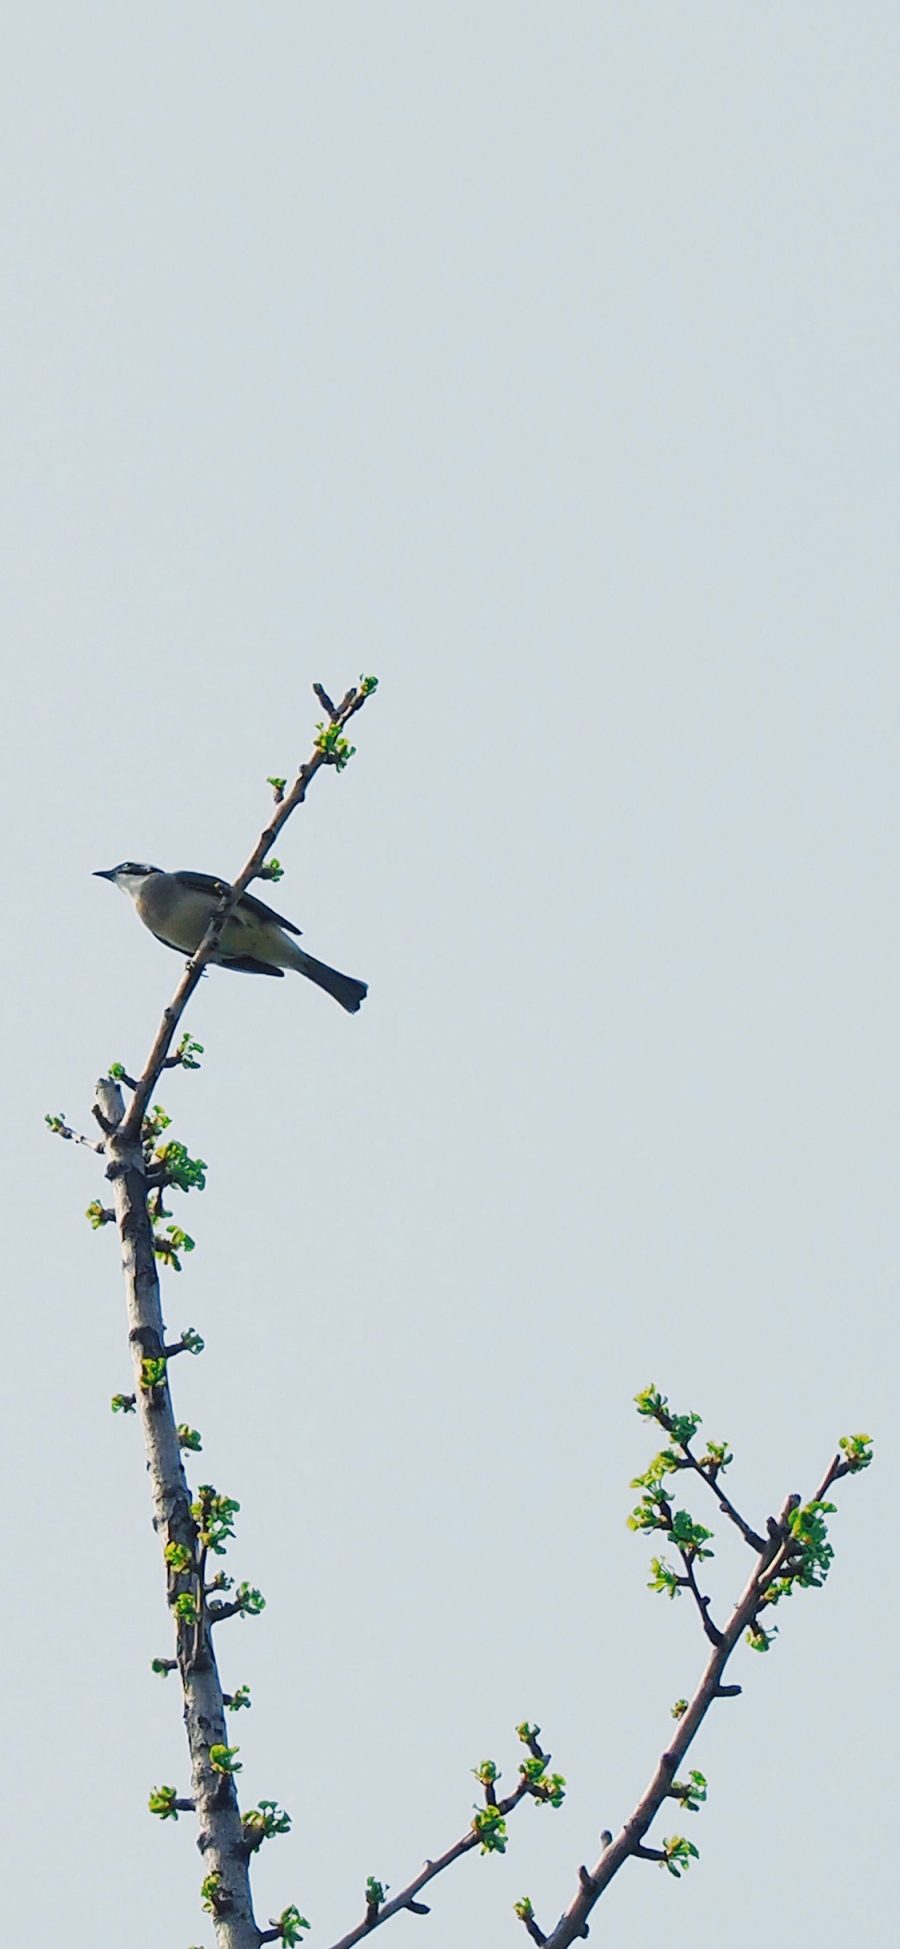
x: 345, y: 988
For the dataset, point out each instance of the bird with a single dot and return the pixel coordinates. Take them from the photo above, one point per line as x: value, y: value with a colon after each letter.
x: 178, y: 907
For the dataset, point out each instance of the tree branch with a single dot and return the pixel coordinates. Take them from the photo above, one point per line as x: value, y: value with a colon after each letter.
x: 727, y: 1507
x: 156, y: 1060
x: 629, y: 1842
x: 430, y: 1869
x: 220, y: 1832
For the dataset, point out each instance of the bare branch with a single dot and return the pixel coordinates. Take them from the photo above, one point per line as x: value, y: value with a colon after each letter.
x: 689, y: 1582
x: 726, y: 1506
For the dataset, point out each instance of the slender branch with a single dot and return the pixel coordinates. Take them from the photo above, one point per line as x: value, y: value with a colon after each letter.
x: 62, y: 1129
x: 629, y: 1842
x: 689, y: 1582
x: 727, y: 1507
x: 428, y: 1872
x: 156, y: 1060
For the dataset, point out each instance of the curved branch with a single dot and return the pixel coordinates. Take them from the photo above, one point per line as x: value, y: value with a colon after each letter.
x: 629, y: 1842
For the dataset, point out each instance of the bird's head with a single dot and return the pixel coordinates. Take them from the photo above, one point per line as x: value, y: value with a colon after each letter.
x: 128, y: 877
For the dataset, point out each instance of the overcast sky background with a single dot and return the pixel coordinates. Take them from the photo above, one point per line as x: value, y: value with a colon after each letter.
x: 542, y: 360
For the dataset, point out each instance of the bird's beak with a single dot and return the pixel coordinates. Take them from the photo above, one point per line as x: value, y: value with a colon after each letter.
x: 104, y: 873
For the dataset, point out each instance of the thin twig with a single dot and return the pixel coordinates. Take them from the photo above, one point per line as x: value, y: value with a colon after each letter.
x: 689, y: 1582
x: 430, y: 1869
x: 727, y: 1507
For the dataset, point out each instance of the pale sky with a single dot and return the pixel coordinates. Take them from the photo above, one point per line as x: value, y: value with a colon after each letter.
x: 541, y: 360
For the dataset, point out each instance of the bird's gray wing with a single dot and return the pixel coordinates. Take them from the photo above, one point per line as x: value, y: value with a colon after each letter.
x: 207, y: 883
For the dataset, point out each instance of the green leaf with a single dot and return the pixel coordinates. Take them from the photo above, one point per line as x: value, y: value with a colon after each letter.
x: 250, y: 1600
x: 490, y: 1826
x: 223, y: 1759
x: 678, y: 1854
x: 857, y: 1450
x: 178, y: 1558
x: 153, y: 1372
x: 162, y: 1803
x: 214, y: 1516
x: 212, y: 1894
x: 264, y: 1821
x: 290, y: 1922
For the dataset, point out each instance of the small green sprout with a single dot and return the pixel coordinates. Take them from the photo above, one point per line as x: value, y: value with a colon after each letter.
x: 760, y: 1640
x: 155, y: 1122
x: 124, y: 1404
x: 214, y: 1896
x: 98, y: 1215
x: 185, y: 1607
x: 487, y: 1773
x: 153, y: 1371
x: 664, y: 1578
x: 490, y: 1826
x: 655, y: 1407
x: 857, y: 1450
x: 548, y: 1789
x: 249, y: 1600
x: 278, y: 788
x: 223, y: 1759
x: 290, y: 1922
x: 273, y: 870
x: 185, y: 1173
x: 691, y: 1792
x: 191, y: 1341
x: 678, y: 1854
x: 186, y: 1054
x: 367, y: 685
x: 178, y: 1558
x: 189, y: 1438
x: 375, y: 1894
x: 335, y: 748
x: 679, y: 1708
x: 214, y: 1516
x: 162, y: 1802
x: 163, y: 1666
x: 168, y: 1244
x: 263, y: 1822
x: 238, y: 1701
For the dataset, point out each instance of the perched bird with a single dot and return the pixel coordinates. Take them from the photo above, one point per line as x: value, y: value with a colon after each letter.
x: 177, y: 908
